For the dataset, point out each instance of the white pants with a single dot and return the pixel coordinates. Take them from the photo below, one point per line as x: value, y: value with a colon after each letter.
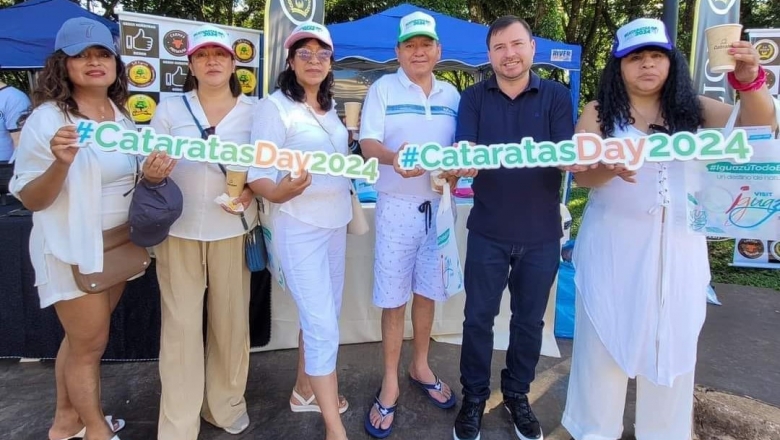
x: 313, y: 261
x: 597, y: 395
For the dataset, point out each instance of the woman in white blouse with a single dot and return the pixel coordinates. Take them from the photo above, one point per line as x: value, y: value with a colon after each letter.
x: 76, y: 191
x: 310, y: 214
x: 204, y: 252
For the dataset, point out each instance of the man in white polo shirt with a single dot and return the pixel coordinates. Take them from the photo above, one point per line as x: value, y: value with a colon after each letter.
x: 409, y: 106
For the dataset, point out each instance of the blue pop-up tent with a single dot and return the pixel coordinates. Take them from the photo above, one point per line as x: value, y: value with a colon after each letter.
x: 28, y: 31
x: 369, y: 44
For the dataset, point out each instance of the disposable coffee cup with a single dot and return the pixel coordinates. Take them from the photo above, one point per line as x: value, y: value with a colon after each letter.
x: 437, y: 183
x: 352, y: 110
x: 719, y: 39
x: 236, y: 179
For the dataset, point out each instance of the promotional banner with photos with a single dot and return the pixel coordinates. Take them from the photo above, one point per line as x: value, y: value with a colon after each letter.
x: 155, y: 52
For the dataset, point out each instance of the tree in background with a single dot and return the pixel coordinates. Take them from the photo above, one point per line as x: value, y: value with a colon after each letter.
x: 588, y: 23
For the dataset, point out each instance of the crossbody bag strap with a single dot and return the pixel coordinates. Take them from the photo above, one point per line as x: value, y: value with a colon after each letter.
x: 200, y: 127
x: 204, y: 137
x: 330, y: 140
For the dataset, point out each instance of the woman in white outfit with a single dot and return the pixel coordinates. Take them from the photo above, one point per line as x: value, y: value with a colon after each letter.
x: 310, y: 214
x: 76, y: 191
x: 204, y: 252
x: 641, y: 277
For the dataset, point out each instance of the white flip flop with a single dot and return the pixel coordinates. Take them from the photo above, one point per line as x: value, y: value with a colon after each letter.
x: 308, y: 405
x: 110, y: 419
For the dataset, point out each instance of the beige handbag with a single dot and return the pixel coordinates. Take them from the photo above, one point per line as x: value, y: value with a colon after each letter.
x: 358, y: 225
x: 122, y: 259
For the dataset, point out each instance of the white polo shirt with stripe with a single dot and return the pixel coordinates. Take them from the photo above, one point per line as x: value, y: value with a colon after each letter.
x: 395, y: 111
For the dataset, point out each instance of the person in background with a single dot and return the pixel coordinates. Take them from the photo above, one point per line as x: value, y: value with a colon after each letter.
x: 310, y: 214
x: 406, y: 263
x: 514, y: 226
x: 13, y: 105
x: 76, y: 191
x: 641, y: 277
x: 205, y: 253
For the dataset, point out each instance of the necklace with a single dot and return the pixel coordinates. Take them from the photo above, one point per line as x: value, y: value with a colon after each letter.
x: 647, y: 124
x: 99, y: 113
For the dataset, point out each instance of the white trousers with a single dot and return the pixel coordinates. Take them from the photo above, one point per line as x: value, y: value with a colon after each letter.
x: 597, y: 395
x: 313, y: 261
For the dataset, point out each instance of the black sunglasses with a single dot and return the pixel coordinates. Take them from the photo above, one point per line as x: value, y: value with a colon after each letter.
x: 655, y: 128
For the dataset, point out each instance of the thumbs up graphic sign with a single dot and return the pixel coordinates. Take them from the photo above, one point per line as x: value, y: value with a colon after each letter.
x: 139, y: 41
x: 176, y: 78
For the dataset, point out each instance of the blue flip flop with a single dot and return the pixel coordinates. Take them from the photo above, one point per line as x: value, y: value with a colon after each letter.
x: 383, y: 413
x: 436, y: 386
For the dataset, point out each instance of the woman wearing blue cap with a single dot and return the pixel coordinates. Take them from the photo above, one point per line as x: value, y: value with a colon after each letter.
x: 65, y: 183
x: 641, y: 277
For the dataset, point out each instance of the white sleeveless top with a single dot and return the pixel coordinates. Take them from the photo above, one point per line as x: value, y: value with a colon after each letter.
x: 643, y: 280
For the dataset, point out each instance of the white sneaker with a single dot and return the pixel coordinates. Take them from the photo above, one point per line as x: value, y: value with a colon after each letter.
x: 238, y: 426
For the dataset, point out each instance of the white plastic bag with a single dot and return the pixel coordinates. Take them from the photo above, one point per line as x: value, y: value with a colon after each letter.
x: 274, y: 265
x: 449, y: 257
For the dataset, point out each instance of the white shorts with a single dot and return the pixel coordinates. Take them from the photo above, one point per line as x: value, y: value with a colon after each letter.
x: 406, y: 255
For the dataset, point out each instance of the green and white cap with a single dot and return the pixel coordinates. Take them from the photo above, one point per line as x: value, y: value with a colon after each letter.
x: 417, y: 23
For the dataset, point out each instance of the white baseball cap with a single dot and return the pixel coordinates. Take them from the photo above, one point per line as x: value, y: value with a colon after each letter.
x: 642, y: 32
x: 309, y: 29
x: 417, y: 23
x: 209, y: 35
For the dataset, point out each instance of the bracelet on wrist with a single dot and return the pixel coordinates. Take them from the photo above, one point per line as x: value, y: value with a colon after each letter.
x: 748, y: 87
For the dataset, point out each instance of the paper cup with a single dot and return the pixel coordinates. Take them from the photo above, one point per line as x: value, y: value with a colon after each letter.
x: 437, y: 183
x: 236, y: 179
x: 719, y: 39
x: 352, y: 110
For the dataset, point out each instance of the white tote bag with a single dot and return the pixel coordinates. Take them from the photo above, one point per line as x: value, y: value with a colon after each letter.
x: 449, y: 257
x: 266, y: 213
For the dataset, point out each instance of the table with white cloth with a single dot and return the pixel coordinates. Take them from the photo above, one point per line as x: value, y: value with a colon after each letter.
x: 30, y: 332
x: 361, y: 320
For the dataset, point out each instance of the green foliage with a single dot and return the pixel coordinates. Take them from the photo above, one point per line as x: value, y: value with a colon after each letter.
x: 588, y: 23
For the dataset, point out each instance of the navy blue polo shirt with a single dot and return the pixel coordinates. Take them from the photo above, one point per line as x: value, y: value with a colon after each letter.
x: 520, y: 205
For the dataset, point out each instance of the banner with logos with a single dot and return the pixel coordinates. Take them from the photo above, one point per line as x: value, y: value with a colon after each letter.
x: 740, y: 202
x: 754, y: 252
x: 281, y: 17
x: 710, y: 13
x: 154, y: 50
x: 736, y: 200
x: 767, y: 43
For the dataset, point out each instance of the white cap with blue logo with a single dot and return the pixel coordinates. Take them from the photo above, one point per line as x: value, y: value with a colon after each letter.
x: 642, y: 32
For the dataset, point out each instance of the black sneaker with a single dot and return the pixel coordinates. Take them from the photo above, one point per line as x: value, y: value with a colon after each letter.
x: 469, y: 420
x: 526, y: 425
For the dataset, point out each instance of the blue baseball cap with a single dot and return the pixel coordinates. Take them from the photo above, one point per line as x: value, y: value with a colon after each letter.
x: 80, y: 33
x: 153, y: 210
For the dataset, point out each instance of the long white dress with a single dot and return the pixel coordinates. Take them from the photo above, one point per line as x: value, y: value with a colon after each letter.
x: 641, y: 276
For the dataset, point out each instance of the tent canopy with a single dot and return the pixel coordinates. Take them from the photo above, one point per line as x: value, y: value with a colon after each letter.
x: 369, y: 43
x: 28, y: 30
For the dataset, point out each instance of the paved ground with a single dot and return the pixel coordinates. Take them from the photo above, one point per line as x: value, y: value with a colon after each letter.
x: 738, y: 353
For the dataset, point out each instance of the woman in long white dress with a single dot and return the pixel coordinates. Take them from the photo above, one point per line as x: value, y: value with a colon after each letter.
x: 641, y: 277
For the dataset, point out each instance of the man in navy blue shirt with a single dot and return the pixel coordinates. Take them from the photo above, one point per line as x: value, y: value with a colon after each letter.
x: 514, y: 226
